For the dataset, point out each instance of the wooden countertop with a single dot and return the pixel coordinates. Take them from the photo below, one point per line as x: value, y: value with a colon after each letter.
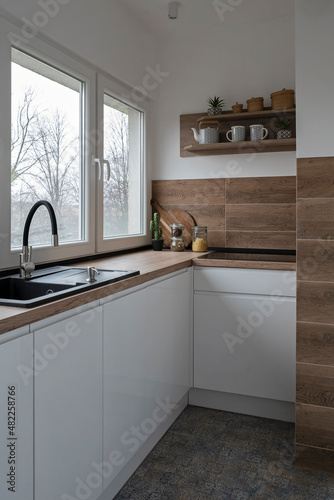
x: 150, y: 264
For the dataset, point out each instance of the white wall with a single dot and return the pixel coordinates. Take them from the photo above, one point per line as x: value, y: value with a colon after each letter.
x: 248, y: 54
x: 100, y: 31
x: 315, y: 77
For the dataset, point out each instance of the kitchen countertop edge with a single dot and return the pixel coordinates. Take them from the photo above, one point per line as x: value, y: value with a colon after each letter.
x: 151, y: 265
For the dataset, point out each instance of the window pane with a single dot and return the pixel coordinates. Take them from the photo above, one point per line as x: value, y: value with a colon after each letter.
x: 122, y: 149
x: 46, y: 150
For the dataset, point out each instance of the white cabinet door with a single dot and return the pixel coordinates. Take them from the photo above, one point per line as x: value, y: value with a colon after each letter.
x: 245, y: 344
x: 16, y: 419
x: 168, y: 340
x: 68, y: 408
x: 146, y: 356
x: 124, y: 386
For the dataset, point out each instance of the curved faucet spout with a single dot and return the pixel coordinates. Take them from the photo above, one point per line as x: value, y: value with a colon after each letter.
x: 26, y: 266
x: 52, y: 218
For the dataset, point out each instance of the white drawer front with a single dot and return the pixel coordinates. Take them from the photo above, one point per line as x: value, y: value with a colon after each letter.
x: 254, y: 281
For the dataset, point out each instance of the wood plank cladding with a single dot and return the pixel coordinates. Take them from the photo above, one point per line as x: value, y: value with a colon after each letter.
x: 315, y: 302
x: 315, y: 260
x: 311, y: 458
x: 254, y: 212
x: 280, y: 240
x: 315, y: 314
x: 261, y: 217
x: 315, y: 385
x: 315, y: 219
x: 315, y: 426
x: 315, y: 343
x: 315, y: 177
x: 261, y: 190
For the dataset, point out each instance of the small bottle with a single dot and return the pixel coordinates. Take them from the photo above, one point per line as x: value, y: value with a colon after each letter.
x: 200, y: 240
x: 177, y: 229
x: 177, y: 244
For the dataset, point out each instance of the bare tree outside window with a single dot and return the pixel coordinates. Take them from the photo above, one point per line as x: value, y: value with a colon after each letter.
x: 116, y: 191
x: 45, y: 150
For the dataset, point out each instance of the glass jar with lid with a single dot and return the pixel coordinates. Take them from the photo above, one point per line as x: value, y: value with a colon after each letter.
x: 200, y: 239
x: 177, y: 229
x: 177, y: 244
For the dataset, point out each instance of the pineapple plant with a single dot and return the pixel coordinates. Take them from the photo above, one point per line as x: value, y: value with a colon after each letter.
x: 283, y: 126
x: 215, y: 105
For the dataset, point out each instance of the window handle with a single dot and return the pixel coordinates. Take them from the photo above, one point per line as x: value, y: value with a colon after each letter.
x: 97, y: 160
x: 106, y: 162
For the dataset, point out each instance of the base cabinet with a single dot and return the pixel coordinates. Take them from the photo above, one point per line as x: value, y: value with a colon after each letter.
x: 124, y: 380
x: 16, y: 417
x: 146, y: 359
x: 168, y: 340
x: 68, y: 408
x: 244, y: 343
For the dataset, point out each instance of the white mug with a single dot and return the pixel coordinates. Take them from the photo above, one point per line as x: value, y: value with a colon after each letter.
x: 257, y: 132
x: 238, y: 133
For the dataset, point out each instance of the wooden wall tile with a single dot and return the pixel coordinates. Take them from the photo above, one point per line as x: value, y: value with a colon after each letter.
x: 315, y: 260
x: 315, y: 343
x: 216, y: 238
x: 189, y: 192
x: 315, y: 426
x: 261, y: 190
x: 279, y: 240
x: 315, y: 177
x: 254, y: 223
x: 212, y: 216
x: 261, y: 217
x: 311, y: 458
x: 315, y: 302
x: 315, y: 385
x: 315, y: 219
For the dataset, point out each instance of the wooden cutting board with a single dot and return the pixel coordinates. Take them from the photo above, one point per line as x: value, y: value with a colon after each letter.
x: 168, y: 217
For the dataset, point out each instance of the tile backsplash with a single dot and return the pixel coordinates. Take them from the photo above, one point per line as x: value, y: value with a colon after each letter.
x: 252, y: 212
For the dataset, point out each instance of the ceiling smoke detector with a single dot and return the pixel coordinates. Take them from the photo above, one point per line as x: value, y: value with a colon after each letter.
x: 173, y: 8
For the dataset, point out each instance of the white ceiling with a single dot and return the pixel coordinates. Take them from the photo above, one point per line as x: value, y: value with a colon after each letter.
x: 197, y: 14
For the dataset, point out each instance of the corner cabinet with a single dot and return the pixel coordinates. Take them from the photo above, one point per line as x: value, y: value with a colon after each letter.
x: 189, y: 147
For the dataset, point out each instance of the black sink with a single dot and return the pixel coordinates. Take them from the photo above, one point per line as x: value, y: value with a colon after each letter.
x: 20, y: 289
x: 53, y: 283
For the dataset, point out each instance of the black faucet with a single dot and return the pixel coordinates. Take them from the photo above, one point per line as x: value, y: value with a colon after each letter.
x: 26, y: 266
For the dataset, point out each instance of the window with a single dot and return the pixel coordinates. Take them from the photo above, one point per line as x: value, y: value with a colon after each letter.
x: 121, y: 193
x: 74, y: 138
x: 46, y: 157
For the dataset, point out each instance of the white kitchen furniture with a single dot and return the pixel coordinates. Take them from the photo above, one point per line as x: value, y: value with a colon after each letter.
x: 244, y: 340
x: 96, y: 387
x: 147, y: 372
x: 68, y: 407
x: 16, y: 415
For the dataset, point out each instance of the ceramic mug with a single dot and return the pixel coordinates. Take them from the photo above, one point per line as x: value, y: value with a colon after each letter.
x: 238, y: 133
x: 257, y: 132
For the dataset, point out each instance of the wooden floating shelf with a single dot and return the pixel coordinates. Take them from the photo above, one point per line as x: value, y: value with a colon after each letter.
x: 245, y: 115
x: 244, y: 147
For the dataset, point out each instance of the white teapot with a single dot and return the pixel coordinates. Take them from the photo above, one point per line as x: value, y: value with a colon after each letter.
x: 207, y: 135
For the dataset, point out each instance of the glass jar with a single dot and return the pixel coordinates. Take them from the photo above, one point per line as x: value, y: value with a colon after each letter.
x: 177, y: 229
x: 177, y: 244
x: 200, y: 239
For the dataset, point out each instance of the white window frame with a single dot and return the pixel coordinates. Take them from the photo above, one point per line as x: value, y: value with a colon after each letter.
x: 95, y: 85
x: 116, y: 90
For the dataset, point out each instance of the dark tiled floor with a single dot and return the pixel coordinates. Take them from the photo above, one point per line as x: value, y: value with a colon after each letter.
x: 210, y: 454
